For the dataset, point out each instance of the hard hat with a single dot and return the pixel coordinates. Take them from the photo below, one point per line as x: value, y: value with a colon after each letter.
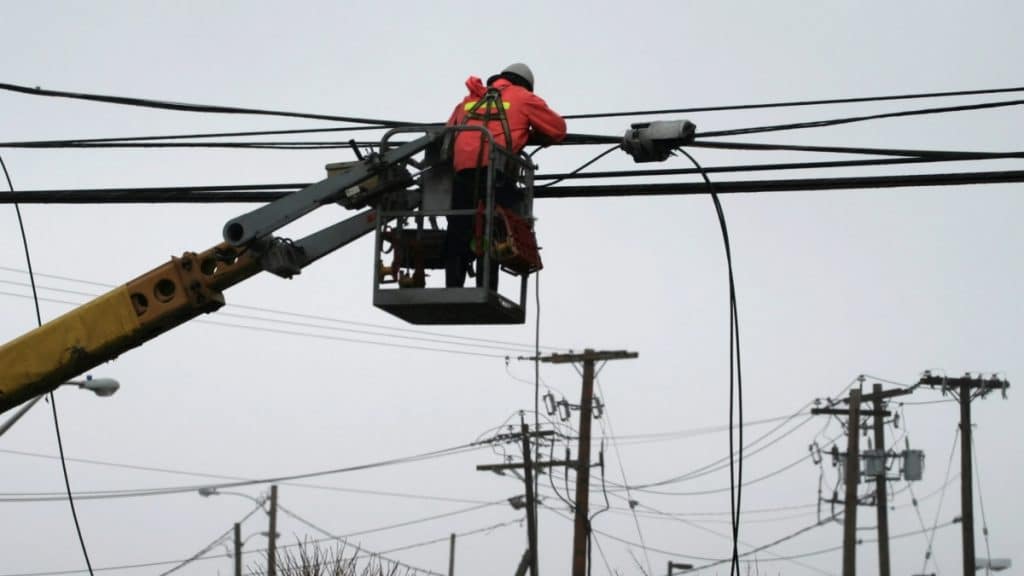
x: 521, y: 70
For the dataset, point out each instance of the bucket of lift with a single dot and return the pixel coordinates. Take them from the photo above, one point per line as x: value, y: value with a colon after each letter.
x: 409, y: 247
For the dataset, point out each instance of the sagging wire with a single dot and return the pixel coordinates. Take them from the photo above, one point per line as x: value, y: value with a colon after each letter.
x: 735, y: 379
x: 582, y: 166
x: 942, y: 498
x: 622, y: 469
x: 51, y: 397
x: 551, y: 479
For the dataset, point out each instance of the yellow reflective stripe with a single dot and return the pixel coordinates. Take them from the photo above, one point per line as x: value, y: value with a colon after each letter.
x: 469, y: 106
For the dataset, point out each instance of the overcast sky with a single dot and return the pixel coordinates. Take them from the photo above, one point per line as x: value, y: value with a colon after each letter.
x: 832, y: 284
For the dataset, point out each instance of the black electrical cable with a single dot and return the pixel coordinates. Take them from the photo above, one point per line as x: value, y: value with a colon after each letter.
x: 936, y: 154
x: 159, y: 137
x: 187, y: 107
x: 797, y: 103
x: 772, y: 167
x: 315, y: 145
x: 735, y: 381
x: 854, y: 119
x: 583, y: 166
x: 52, y: 398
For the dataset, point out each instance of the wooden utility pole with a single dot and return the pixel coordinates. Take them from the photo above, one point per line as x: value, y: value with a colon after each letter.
x: 965, y: 389
x: 530, y: 558
x: 853, y: 414
x: 852, y: 476
x: 881, y: 491
x: 238, y: 549
x: 451, y: 556
x: 531, y: 502
x: 272, y: 537
x: 581, y: 531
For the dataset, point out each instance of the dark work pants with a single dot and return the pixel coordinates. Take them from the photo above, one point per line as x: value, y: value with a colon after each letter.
x: 470, y: 187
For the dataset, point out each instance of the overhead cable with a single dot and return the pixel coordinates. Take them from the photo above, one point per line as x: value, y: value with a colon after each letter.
x: 28, y: 496
x: 242, y: 194
x: 854, y: 119
x: 794, y: 103
x: 304, y: 316
x: 51, y: 397
x: 768, y: 167
x: 105, y: 494
x: 187, y: 107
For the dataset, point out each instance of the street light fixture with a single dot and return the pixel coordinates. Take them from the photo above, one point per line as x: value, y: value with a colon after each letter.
x: 208, y: 491
x: 99, y: 386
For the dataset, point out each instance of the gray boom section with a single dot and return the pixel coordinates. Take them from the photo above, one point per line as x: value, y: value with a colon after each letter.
x: 264, y: 220
x: 319, y: 244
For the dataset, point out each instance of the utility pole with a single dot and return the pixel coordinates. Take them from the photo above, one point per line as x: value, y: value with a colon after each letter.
x: 530, y: 558
x: 531, y: 502
x: 581, y: 531
x: 878, y: 413
x: 451, y: 556
x: 238, y: 549
x: 965, y: 389
x: 852, y: 477
x: 881, y: 491
x: 272, y: 537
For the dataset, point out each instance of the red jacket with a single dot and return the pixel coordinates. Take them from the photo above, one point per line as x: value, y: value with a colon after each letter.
x: 524, y: 110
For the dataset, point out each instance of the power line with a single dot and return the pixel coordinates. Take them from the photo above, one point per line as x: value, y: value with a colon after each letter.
x: 309, y: 334
x: 202, y: 552
x: 51, y: 396
x: 773, y: 167
x: 440, y: 339
x: 795, y: 103
x: 913, y: 153
x: 408, y: 495
x: 343, y: 539
x: 293, y: 314
x: 854, y: 119
x: 191, y: 195
x: 187, y: 107
x: 106, y: 494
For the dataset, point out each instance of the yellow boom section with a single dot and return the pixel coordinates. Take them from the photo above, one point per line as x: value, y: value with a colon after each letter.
x: 117, y: 321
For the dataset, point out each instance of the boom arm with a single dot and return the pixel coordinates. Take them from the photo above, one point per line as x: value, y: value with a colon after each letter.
x: 186, y: 287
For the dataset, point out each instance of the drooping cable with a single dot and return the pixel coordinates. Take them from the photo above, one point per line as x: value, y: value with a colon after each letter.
x: 536, y: 387
x: 583, y: 166
x: 796, y: 103
x: 52, y: 397
x: 625, y: 481
x: 188, y: 107
x: 938, y: 511
x: 735, y: 380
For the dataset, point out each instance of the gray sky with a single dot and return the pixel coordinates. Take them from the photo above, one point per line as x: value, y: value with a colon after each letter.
x: 831, y: 284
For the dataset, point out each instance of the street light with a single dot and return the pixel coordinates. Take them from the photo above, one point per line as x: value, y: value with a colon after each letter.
x: 99, y: 386
x: 271, y: 534
x: 213, y: 491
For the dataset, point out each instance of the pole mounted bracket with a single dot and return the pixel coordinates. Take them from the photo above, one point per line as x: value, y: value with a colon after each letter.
x: 655, y: 141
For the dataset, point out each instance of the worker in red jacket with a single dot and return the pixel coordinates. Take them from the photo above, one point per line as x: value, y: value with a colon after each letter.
x: 514, y: 115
